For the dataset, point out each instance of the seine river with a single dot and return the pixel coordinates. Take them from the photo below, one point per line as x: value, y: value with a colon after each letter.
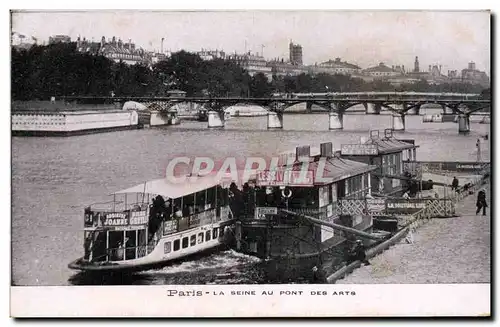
x: 54, y: 178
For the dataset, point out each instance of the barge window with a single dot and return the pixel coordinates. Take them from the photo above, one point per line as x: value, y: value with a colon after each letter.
x: 167, y: 247
x: 185, y: 242
x: 207, y: 235
x: 356, y: 187
x: 177, y: 245
x: 215, y: 233
x: 200, y: 238
x: 193, y: 240
x: 324, y: 195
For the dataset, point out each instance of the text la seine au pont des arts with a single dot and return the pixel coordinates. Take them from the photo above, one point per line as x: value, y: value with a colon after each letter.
x: 260, y: 293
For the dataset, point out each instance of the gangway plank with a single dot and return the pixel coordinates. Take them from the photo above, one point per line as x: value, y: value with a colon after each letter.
x: 401, y: 177
x: 335, y: 226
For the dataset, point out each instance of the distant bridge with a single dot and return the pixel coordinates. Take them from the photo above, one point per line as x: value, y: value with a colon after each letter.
x: 336, y: 104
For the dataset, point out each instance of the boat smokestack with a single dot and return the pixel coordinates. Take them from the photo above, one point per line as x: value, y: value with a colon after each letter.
x: 303, y: 153
x: 326, y: 150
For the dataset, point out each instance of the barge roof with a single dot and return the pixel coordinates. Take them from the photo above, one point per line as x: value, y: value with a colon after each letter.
x: 333, y: 169
x: 390, y: 145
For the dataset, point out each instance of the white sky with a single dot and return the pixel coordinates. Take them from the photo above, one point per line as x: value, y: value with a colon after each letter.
x: 366, y: 38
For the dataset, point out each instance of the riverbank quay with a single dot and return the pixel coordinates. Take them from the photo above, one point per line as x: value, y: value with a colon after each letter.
x: 444, y: 250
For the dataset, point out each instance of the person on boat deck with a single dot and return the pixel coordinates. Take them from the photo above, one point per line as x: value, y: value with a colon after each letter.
x: 454, y: 184
x: 245, y: 193
x: 406, y: 195
x: 359, y: 253
x: 481, y: 202
x: 236, y: 200
x: 177, y: 212
x: 185, y: 210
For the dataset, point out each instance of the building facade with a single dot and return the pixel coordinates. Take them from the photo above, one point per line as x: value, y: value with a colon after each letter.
x: 381, y: 71
x: 59, y: 39
x: 115, y: 49
x: 475, y: 76
x: 337, y: 67
x: 253, y: 63
x: 295, y: 54
x: 211, y: 54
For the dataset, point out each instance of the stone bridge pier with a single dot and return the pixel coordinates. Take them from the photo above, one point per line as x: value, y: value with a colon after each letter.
x: 336, y: 117
x: 463, y: 124
x: 275, y: 120
x: 216, y: 119
x: 398, y: 118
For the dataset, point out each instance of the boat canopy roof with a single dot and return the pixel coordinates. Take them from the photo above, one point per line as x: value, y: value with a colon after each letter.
x: 172, y: 189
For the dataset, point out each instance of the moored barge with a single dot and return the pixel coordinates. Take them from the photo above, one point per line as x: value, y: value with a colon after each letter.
x: 154, y: 223
x: 304, y: 213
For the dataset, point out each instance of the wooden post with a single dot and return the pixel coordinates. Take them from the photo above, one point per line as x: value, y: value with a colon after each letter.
x: 136, y: 242
x: 107, y: 245
x: 124, y: 244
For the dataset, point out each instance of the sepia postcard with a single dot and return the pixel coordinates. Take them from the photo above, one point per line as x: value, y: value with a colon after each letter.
x: 250, y: 163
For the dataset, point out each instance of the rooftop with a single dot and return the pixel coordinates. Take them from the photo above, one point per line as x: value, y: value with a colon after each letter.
x: 338, y: 63
x: 381, y: 68
x: 390, y: 144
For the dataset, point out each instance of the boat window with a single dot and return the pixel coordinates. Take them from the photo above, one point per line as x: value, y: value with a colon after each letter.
x: 167, y: 247
x: 177, y: 245
x: 200, y: 199
x: 356, y: 187
x: 221, y: 233
x: 215, y: 233
x: 193, y: 240
x: 333, y: 192
x: 303, y: 197
x: 324, y: 195
x: 185, y: 242
x: 200, y: 238
x: 210, y: 198
x: 208, y: 235
x: 222, y: 196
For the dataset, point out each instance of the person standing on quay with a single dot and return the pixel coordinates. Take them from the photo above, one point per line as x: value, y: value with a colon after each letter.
x: 481, y: 202
x: 454, y: 184
x: 478, y: 146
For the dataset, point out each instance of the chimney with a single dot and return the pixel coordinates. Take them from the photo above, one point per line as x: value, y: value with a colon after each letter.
x: 430, y: 68
x: 326, y: 150
x: 303, y: 153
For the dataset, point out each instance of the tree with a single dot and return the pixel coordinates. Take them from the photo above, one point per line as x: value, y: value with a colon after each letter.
x: 260, y: 87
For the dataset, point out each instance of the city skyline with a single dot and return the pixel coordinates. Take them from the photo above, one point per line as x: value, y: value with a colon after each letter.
x: 452, y: 39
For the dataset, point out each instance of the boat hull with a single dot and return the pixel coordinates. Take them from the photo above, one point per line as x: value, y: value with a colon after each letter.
x: 170, y: 248
x: 294, y: 249
x: 81, y: 265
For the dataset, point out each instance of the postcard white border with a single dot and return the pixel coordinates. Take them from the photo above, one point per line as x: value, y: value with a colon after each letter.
x: 57, y: 301
x: 251, y: 301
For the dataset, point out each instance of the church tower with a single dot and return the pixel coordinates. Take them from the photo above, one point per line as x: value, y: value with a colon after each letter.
x: 416, y: 69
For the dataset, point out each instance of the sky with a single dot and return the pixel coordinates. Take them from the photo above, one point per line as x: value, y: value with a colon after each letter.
x: 366, y: 38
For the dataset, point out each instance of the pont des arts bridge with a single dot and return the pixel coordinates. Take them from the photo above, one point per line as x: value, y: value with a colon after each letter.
x: 400, y: 104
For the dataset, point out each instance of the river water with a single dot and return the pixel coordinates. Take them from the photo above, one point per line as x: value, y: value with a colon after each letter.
x: 54, y: 178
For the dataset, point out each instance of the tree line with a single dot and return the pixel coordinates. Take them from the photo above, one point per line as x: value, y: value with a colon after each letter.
x: 41, y: 72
